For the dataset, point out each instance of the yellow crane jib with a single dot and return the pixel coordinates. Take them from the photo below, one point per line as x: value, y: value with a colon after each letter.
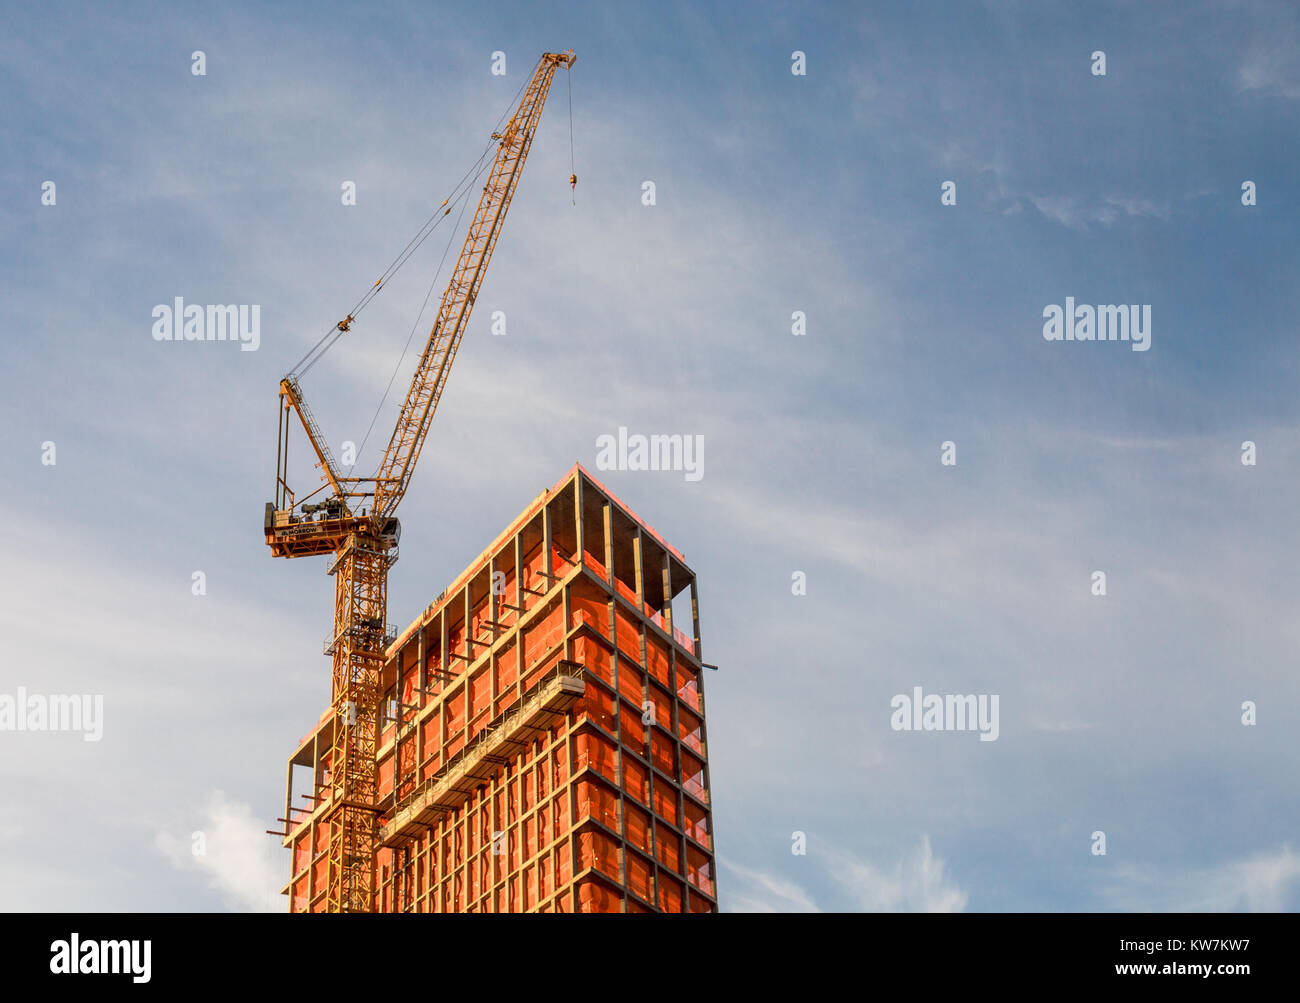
x: 354, y: 521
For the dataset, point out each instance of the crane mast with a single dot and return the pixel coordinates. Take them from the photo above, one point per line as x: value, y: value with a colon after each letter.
x: 364, y: 544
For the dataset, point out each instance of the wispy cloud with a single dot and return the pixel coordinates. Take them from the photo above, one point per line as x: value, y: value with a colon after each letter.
x: 1268, y: 881
x: 238, y: 860
x: 1079, y: 213
x: 753, y: 890
x: 1272, y: 66
x: 916, y: 882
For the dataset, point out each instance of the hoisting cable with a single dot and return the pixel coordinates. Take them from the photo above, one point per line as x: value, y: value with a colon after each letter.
x: 573, y: 170
x: 424, y: 306
x: 331, y: 337
x: 333, y: 334
x: 437, y: 273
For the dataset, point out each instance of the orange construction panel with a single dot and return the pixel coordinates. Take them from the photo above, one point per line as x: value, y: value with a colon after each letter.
x: 539, y: 639
x: 406, y: 769
x: 480, y: 692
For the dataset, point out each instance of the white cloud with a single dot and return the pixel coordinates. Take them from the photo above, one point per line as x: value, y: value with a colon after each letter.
x: 915, y: 883
x: 1272, y: 68
x: 1080, y: 214
x: 1263, y: 882
x: 239, y: 861
x: 763, y: 892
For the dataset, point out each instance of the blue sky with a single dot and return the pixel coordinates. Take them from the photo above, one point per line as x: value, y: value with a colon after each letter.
x: 775, y: 193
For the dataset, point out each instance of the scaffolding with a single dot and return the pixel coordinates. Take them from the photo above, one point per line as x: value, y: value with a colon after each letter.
x: 541, y: 741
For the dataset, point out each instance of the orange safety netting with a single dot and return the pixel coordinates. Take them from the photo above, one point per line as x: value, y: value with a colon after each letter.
x: 697, y: 826
x: 631, y: 682
x: 665, y: 799
x: 663, y: 753
x: 636, y: 780
x: 690, y: 729
x: 595, y: 657
x: 666, y: 844
x: 597, y: 850
x: 638, y: 876
x: 632, y: 728
x: 453, y: 712
x: 507, y: 668
x: 638, y: 827
x: 595, y: 802
x: 698, y: 871
x: 657, y: 660
x: 688, y: 686
x: 693, y: 774
x: 588, y: 605
x: 594, y: 896
x: 543, y: 635
x: 670, y: 894
x: 628, y: 635
x: 598, y: 707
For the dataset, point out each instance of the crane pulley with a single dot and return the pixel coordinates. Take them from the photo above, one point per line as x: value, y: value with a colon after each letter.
x: 355, y: 522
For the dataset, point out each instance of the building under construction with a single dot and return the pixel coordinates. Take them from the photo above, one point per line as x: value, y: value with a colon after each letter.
x: 541, y: 743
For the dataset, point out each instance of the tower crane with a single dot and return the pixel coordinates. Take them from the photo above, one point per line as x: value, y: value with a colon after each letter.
x: 355, y: 522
